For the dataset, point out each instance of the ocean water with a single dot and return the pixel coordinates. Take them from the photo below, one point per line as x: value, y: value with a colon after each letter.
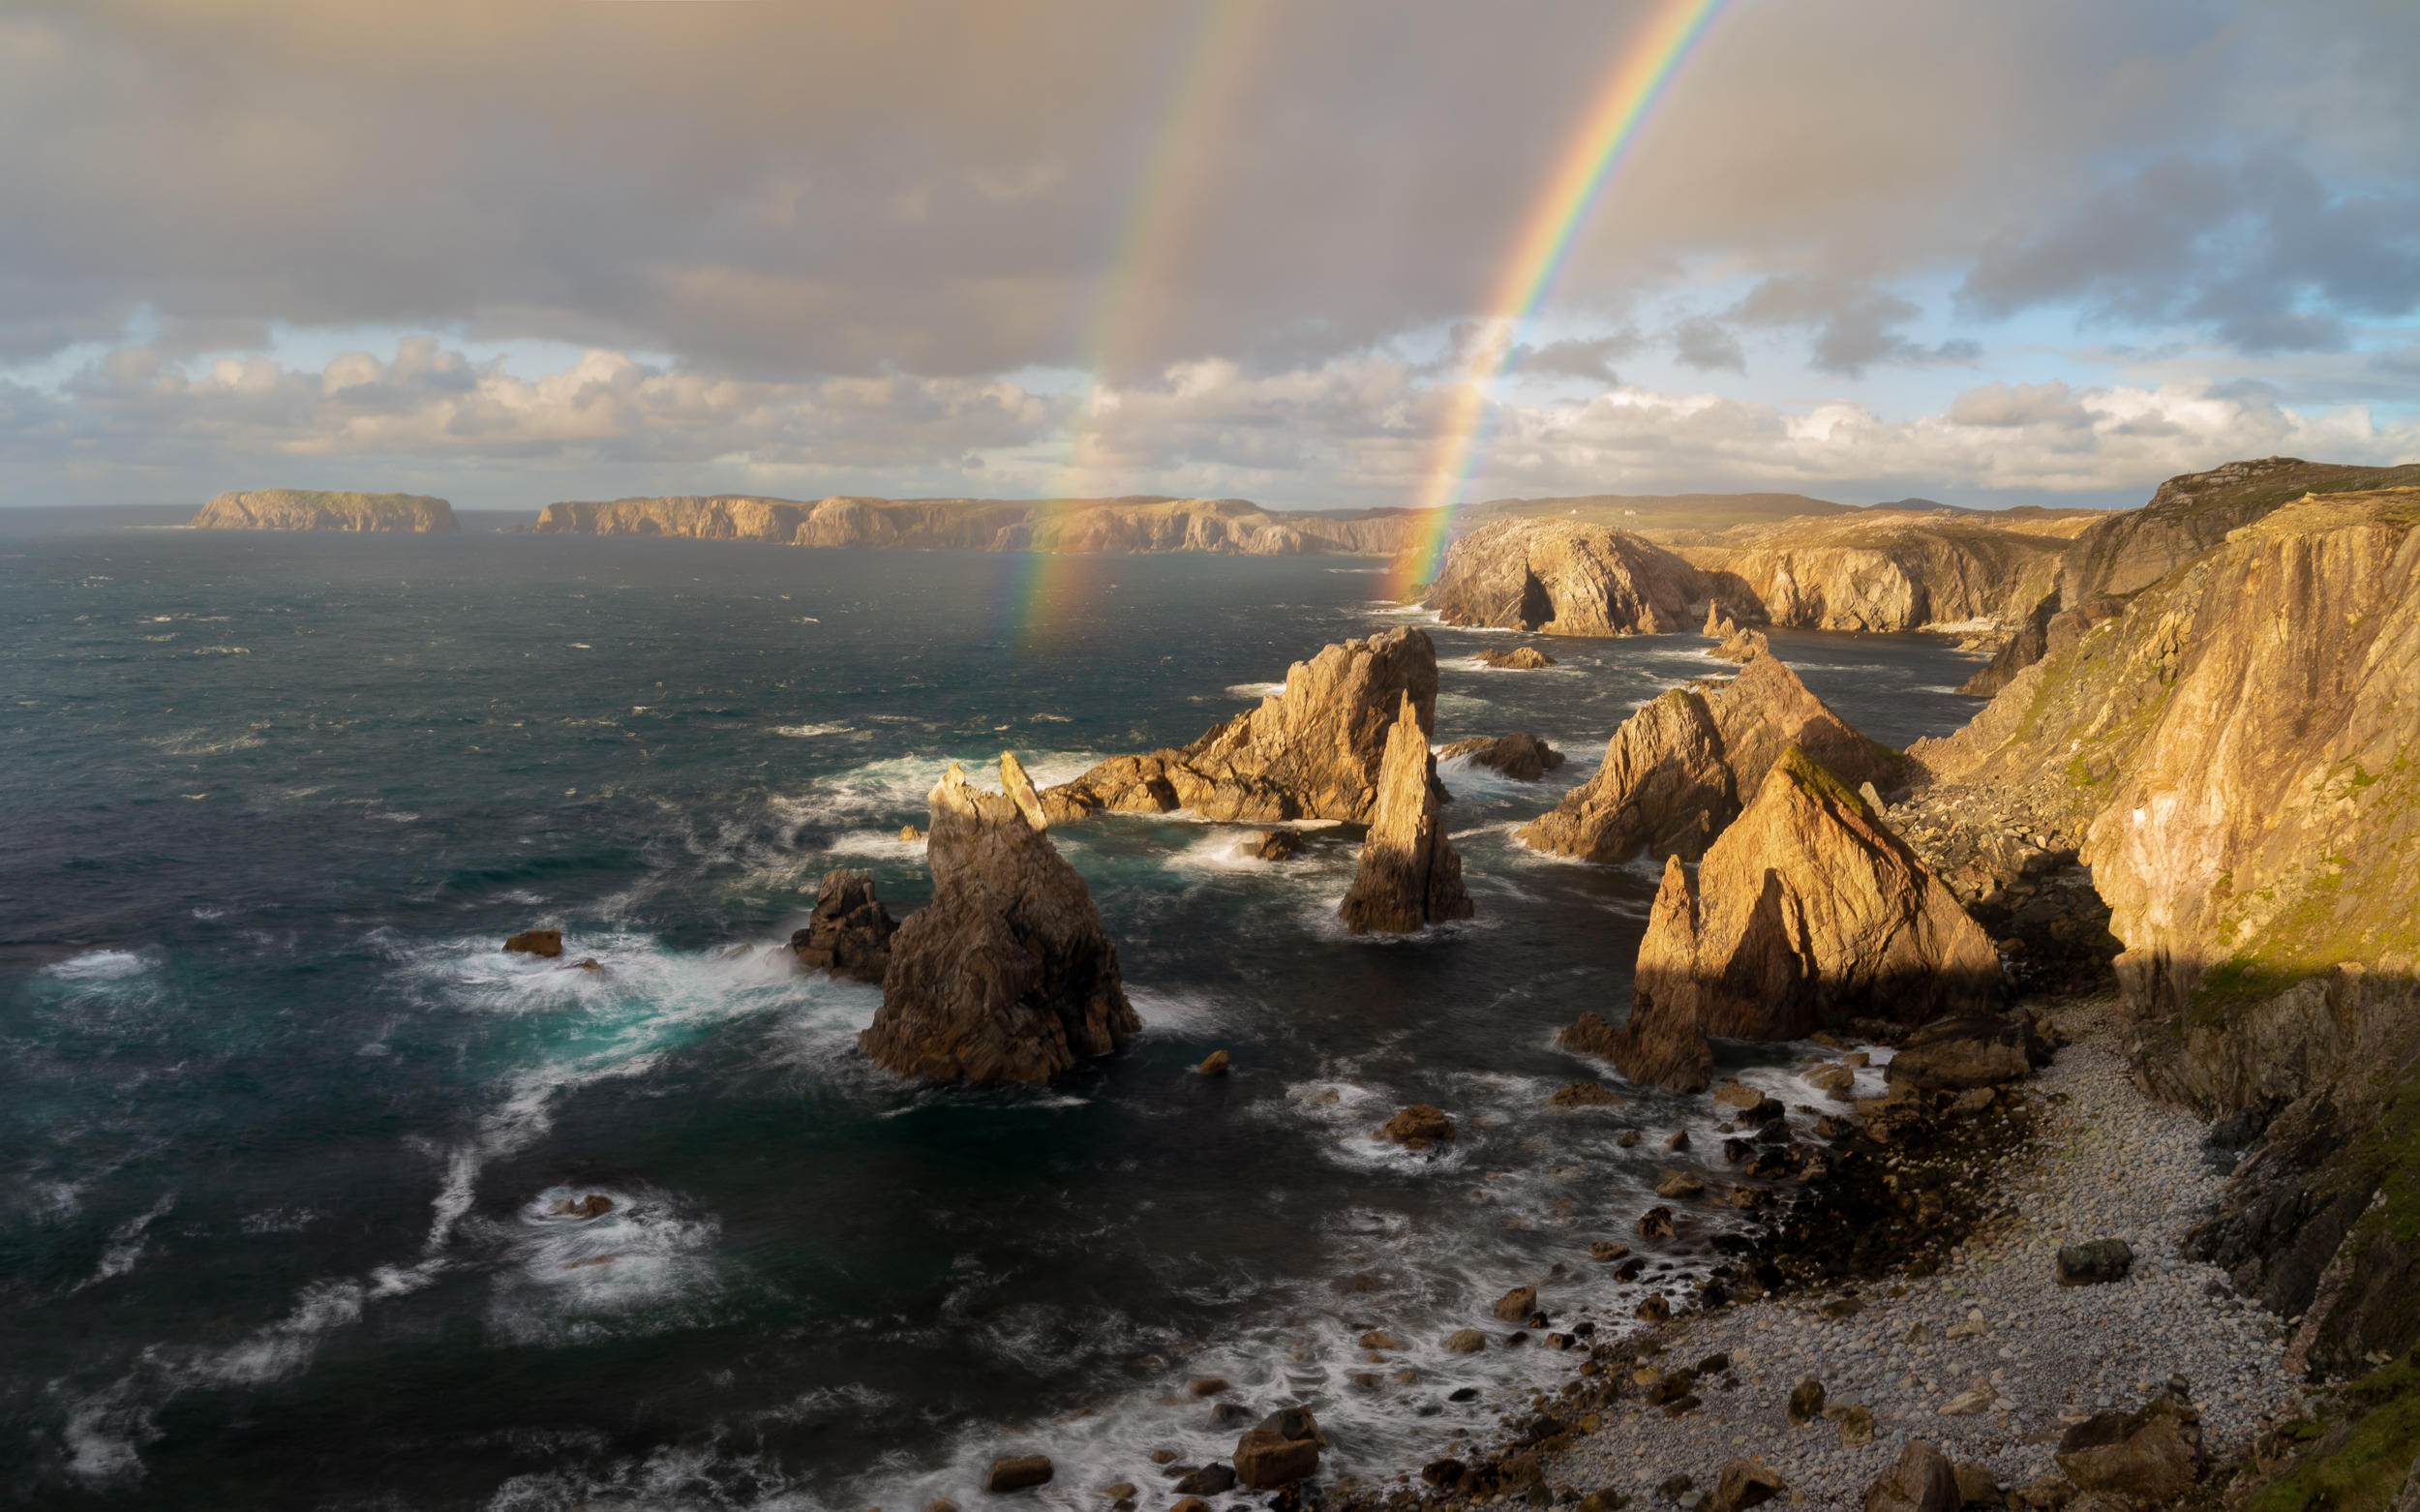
x: 283, y: 1134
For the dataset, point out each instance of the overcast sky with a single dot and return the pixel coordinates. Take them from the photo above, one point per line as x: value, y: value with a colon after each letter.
x: 1991, y: 252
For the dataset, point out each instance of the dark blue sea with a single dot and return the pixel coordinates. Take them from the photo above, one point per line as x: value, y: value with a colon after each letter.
x: 282, y: 1129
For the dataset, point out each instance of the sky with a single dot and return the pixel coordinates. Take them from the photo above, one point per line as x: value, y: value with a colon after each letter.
x: 512, y: 251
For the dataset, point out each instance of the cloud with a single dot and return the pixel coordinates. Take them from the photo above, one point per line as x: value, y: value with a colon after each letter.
x: 1855, y: 327
x: 1706, y: 346
x: 1591, y: 359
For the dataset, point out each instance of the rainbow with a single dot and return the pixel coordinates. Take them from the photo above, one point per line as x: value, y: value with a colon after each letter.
x: 1155, y: 226
x: 1612, y: 124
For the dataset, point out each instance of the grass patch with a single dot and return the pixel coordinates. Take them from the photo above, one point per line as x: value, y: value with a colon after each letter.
x: 2360, y: 1466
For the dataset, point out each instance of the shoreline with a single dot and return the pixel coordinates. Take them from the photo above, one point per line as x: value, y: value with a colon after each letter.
x: 2086, y: 1155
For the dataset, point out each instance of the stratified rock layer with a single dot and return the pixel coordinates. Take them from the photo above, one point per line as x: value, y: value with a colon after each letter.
x: 1678, y: 770
x: 1409, y: 875
x: 1006, y: 976
x: 1560, y: 577
x: 1313, y: 751
x: 312, y: 510
x: 1805, y: 913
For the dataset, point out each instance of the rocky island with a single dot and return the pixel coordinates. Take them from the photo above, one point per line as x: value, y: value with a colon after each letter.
x: 310, y: 510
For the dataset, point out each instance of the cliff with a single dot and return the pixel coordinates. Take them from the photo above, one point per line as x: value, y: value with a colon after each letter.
x: 1409, y: 876
x: 1683, y: 767
x: 1562, y: 576
x: 1313, y: 751
x: 1006, y: 976
x: 1142, y: 524
x: 1884, y: 570
x: 1804, y: 913
x: 2237, y: 746
x: 309, y: 509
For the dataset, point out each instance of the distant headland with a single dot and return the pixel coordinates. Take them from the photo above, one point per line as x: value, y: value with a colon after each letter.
x: 317, y: 509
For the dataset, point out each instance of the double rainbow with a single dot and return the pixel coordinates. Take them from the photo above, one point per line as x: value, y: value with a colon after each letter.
x: 1612, y: 124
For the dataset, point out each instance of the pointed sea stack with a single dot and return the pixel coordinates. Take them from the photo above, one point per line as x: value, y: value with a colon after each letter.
x: 1006, y: 976
x: 1806, y: 912
x: 849, y: 933
x: 1409, y: 877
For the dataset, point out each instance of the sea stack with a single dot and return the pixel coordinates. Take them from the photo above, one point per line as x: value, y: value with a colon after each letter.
x: 1006, y: 976
x: 849, y: 933
x: 1409, y: 876
x: 1563, y: 577
x: 1805, y: 912
x: 1313, y: 751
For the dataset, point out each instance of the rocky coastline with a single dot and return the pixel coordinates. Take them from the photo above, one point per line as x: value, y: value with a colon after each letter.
x: 312, y: 509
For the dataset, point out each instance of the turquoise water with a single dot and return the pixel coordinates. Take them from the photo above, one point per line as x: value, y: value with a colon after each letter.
x: 281, y: 1128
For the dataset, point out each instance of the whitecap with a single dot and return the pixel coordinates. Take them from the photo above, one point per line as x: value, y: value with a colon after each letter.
x: 103, y: 965
x: 803, y: 732
x: 1255, y: 689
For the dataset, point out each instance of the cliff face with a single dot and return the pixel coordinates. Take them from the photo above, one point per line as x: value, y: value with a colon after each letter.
x: 1227, y: 526
x: 1884, y: 570
x: 1409, y: 875
x: 1006, y: 976
x: 2237, y: 748
x: 1311, y: 751
x: 1678, y: 770
x: 309, y: 509
x: 1560, y: 577
x: 2188, y: 515
x: 1805, y: 912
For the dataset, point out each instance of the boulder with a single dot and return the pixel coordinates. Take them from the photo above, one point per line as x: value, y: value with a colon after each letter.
x: 1521, y: 659
x: 1563, y: 577
x: 1520, y: 755
x: 1745, y: 1483
x: 1683, y: 767
x: 546, y: 943
x: 1417, y: 1127
x: 1006, y: 976
x: 1608, y: 1250
x: 1586, y: 1094
x: 1969, y: 1050
x: 1019, y: 1472
x: 1857, y: 1427
x: 1737, y: 1095
x: 1655, y: 1223
x: 1314, y: 751
x: 1214, y: 1064
x: 1977, y: 1487
x: 2093, y: 1263
x: 1465, y: 1341
x: 1272, y: 844
x: 2155, y: 1452
x: 1409, y: 876
x: 1679, y: 1184
x: 1516, y: 1305
x: 849, y: 933
x: 1922, y: 1480
x: 1279, y: 1450
x: 1207, y: 1481
x: 1806, y: 913
x: 1805, y: 1404
x: 1588, y: 1035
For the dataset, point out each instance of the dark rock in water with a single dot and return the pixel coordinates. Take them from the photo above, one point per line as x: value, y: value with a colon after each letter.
x: 1655, y: 1223
x: 1586, y: 1094
x: 1679, y: 1184
x: 849, y: 933
x: 1214, y: 1064
x: 1588, y: 1035
x: 2095, y: 1262
x: 1229, y: 1416
x: 1465, y: 1341
x: 1745, y: 1483
x: 1282, y: 1449
x: 1628, y: 1139
x: 1921, y: 1481
x: 596, y: 1204
x: 1677, y: 1141
x: 1313, y: 751
x: 1410, y: 876
x: 1272, y: 844
x: 548, y: 943
x: 1446, y: 1473
x: 1419, y: 1126
x: 1516, y: 1305
x: 1017, y: 1472
x: 1972, y: 1050
x: 1006, y: 976
x: 1520, y: 755
x: 1608, y: 1250
x: 1521, y: 659
x: 2155, y: 1452
x: 586, y: 963
x: 1806, y: 913
x: 1654, y: 1310
x: 1208, y: 1481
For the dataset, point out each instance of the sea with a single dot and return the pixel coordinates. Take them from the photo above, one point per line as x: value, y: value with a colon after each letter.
x: 287, y: 1143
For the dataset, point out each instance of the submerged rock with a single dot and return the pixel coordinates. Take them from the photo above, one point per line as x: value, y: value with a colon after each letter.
x: 1019, y: 1472
x: 1271, y: 844
x: 1520, y: 755
x: 1313, y: 751
x: 1806, y: 913
x: 849, y: 933
x: 1521, y: 659
x: 1419, y: 1126
x: 1006, y: 976
x: 1684, y: 765
x: 1562, y: 577
x: 1410, y: 876
x: 545, y: 943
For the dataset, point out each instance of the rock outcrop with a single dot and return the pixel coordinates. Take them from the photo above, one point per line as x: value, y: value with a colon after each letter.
x: 1409, y: 876
x: 1678, y: 770
x: 1232, y: 527
x: 849, y: 933
x: 1313, y: 751
x: 1560, y: 577
x: 1742, y: 646
x: 1521, y: 659
x: 1006, y: 976
x: 1520, y: 755
x: 1886, y: 570
x: 314, y: 509
x: 1805, y: 913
